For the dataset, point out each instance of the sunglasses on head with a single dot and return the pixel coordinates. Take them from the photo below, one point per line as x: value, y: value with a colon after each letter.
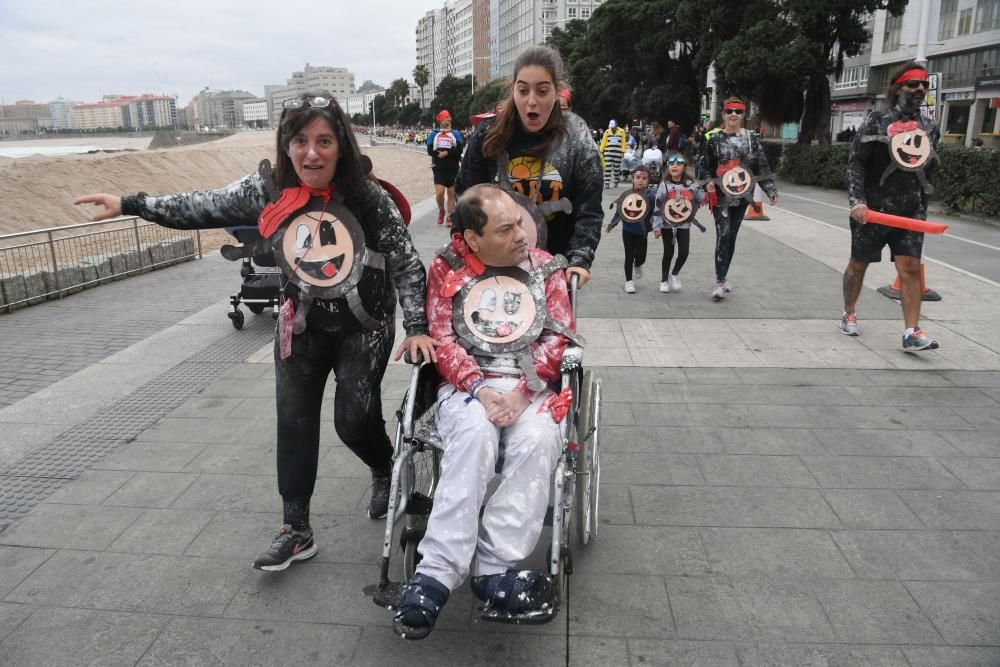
x: 314, y: 102
x: 916, y: 83
x: 675, y: 160
x: 738, y: 112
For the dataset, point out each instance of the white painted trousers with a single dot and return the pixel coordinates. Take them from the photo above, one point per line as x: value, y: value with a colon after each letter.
x: 513, y: 518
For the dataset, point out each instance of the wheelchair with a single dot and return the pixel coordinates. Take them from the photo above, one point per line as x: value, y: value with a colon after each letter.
x: 574, y: 499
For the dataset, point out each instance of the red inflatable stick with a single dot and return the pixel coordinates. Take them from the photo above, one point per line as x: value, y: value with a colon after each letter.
x: 906, y: 223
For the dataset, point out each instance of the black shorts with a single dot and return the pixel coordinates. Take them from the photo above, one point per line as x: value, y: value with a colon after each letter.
x: 445, y: 177
x: 868, y: 240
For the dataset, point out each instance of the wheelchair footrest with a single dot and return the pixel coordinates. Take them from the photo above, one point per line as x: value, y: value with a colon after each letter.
x: 537, y: 617
x: 389, y: 595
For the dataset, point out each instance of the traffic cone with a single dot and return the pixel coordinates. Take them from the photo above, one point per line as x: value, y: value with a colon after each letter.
x: 893, y: 291
x: 755, y: 211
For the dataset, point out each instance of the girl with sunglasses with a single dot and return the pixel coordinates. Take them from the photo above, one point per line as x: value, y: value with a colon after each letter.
x: 732, y: 146
x: 344, y: 225
x: 675, y: 184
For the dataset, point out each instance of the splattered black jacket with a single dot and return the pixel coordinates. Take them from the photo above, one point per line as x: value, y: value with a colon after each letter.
x: 577, y: 175
x: 241, y: 203
x: 743, y: 146
x: 901, y: 192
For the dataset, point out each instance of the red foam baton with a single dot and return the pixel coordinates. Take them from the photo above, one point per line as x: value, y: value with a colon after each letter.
x: 906, y: 223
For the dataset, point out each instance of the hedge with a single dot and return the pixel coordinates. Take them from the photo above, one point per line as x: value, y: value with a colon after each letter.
x: 965, y: 180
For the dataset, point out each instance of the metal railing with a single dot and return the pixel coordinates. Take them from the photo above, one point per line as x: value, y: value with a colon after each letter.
x: 49, y: 263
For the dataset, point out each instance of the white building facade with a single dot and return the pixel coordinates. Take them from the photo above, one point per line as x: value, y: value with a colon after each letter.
x: 336, y: 80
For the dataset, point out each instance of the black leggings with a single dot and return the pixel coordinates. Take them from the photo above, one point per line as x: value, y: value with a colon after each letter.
x: 726, y: 229
x: 635, y: 251
x: 683, y: 246
x: 358, y: 361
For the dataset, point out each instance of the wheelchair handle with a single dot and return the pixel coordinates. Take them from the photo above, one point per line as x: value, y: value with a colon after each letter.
x: 573, y: 287
x: 408, y: 358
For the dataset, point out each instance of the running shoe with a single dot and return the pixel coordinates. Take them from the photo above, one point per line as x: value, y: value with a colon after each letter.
x: 637, y: 272
x: 440, y: 216
x: 664, y: 286
x: 917, y: 341
x: 725, y: 286
x: 629, y: 287
x: 288, y: 547
x: 849, y: 325
x: 719, y: 292
x: 378, y: 506
x: 675, y: 283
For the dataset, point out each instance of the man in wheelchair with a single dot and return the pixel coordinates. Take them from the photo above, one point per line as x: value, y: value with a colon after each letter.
x: 502, y: 313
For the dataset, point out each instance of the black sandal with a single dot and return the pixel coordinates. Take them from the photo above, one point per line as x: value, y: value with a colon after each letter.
x: 419, y: 607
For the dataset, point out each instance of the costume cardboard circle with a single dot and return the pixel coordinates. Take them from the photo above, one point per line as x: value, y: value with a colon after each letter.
x: 321, y: 251
x: 633, y: 206
x: 502, y: 310
x: 678, y: 209
x: 737, y: 182
x: 909, y: 148
x: 532, y: 220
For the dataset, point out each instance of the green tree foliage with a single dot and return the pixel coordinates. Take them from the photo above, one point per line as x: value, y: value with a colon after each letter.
x: 398, y: 91
x: 453, y: 94
x: 409, y: 115
x: 487, y: 97
x: 421, y: 77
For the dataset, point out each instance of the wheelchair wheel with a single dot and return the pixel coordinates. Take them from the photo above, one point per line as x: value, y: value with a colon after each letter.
x: 425, y: 470
x: 588, y: 466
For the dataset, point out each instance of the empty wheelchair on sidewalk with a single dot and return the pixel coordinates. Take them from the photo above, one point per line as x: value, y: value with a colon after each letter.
x: 574, y: 499
x: 261, y: 287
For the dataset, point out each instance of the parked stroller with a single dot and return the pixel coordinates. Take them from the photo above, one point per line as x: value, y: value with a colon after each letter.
x: 261, y: 280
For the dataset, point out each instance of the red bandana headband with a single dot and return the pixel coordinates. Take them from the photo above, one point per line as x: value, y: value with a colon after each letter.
x: 735, y: 105
x: 444, y: 113
x: 917, y: 73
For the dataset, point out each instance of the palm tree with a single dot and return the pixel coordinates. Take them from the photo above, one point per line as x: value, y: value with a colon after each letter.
x: 421, y: 77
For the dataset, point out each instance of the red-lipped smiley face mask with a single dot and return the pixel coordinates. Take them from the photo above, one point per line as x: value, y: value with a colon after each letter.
x: 909, y: 145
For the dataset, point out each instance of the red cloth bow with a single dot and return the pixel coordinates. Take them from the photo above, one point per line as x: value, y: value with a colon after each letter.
x: 683, y: 194
x: 471, y: 267
x: 291, y: 200
x: 726, y: 166
x: 902, y: 126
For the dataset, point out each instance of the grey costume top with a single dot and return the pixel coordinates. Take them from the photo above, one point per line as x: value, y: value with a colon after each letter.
x: 241, y: 203
x: 744, y: 146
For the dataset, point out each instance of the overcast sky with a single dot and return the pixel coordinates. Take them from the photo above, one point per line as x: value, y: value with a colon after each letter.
x: 83, y: 49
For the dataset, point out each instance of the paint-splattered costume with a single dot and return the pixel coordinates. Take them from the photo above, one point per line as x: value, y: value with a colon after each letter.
x: 334, y: 339
x: 513, y: 518
x: 684, y: 198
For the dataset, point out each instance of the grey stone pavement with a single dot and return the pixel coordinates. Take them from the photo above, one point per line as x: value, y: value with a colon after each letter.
x: 772, y: 493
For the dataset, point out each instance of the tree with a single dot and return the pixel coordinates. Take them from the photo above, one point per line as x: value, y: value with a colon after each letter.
x: 453, y: 94
x: 398, y: 91
x: 409, y: 115
x: 487, y: 97
x: 421, y: 77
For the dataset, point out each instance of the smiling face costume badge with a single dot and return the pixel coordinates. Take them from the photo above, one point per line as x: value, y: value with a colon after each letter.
x: 679, y: 207
x: 633, y: 206
x: 910, y: 150
x: 734, y: 182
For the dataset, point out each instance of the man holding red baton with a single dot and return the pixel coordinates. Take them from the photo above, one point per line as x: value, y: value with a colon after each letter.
x: 888, y: 172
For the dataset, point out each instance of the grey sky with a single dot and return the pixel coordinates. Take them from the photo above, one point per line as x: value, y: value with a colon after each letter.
x: 82, y: 49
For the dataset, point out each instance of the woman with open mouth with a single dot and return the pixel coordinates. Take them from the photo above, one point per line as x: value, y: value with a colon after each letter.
x: 534, y: 148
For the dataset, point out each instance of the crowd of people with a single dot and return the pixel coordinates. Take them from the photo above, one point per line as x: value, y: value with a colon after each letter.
x: 347, y: 259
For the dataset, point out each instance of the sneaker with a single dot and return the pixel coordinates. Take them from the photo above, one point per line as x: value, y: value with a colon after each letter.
x: 378, y: 506
x: 288, y: 547
x: 637, y: 272
x: 917, y: 341
x: 629, y: 287
x: 719, y: 292
x: 664, y: 286
x: 675, y: 283
x: 849, y: 325
x: 440, y: 216
x: 725, y: 286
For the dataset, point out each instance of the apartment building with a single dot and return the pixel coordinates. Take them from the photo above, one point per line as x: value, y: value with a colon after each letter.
x: 222, y: 109
x: 961, y: 42
x: 336, y: 80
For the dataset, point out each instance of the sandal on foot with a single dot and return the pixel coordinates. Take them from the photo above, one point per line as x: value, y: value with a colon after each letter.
x: 514, y: 592
x: 418, y: 610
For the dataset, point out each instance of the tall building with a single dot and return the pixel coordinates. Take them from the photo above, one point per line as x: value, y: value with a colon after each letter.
x: 516, y: 25
x: 222, y: 109
x: 336, y: 80
x: 61, y: 112
x: 136, y: 112
x: 962, y: 45
x: 24, y: 116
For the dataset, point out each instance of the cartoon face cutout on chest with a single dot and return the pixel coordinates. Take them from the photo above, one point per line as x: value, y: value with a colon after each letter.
x: 499, y: 309
x: 736, y: 182
x: 320, y: 249
x: 679, y: 207
x: 633, y: 207
x: 909, y: 145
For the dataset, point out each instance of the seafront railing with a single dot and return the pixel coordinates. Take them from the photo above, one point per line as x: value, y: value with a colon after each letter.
x: 50, y: 263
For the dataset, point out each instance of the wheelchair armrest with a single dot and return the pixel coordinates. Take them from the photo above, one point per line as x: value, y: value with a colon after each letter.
x: 572, y: 358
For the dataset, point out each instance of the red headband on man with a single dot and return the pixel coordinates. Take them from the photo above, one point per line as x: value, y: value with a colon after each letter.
x: 918, y: 73
x: 734, y: 105
x: 444, y: 113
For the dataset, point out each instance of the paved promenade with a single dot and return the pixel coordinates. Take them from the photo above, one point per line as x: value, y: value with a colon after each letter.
x: 772, y: 492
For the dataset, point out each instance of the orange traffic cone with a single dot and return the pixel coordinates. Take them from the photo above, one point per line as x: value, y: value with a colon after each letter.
x: 755, y: 211
x: 893, y: 291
